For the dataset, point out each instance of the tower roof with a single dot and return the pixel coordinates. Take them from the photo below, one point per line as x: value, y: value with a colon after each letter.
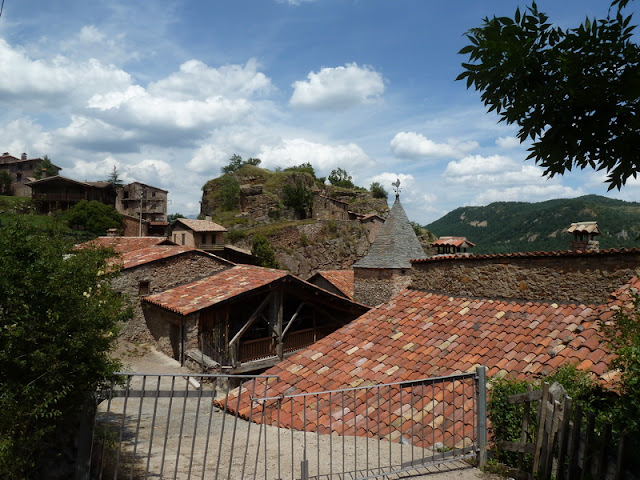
x: 395, y: 245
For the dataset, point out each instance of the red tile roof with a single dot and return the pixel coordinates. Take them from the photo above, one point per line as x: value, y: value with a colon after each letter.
x: 216, y: 288
x: 143, y: 256
x: 419, y: 334
x: 125, y: 244
x: 453, y: 241
x: 564, y: 253
x: 343, y: 280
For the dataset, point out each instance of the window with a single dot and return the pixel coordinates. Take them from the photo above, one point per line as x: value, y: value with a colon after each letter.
x: 183, y: 235
x: 143, y: 288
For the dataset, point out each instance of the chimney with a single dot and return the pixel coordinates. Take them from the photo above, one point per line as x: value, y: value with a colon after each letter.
x: 112, y: 232
x: 207, y: 218
x: 23, y: 156
x: 584, y: 234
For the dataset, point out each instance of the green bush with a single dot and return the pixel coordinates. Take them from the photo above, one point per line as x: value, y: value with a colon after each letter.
x: 298, y: 197
x: 93, y: 217
x: 263, y: 252
x: 235, y: 235
x: 58, y: 322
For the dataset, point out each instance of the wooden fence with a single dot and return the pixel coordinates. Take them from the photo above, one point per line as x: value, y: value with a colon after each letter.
x: 558, y: 444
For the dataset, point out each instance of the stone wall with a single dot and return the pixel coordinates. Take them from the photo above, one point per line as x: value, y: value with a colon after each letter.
x: 569, y: 277
x: 166, y: 330
x: 374, y: 286
x: 161, y: 275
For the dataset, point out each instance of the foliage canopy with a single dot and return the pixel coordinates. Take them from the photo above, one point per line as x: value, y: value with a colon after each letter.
x: 575, y: 93
x: 58, y: 321
x: 93, y: 217
x: 46, y: 168
x: 262, y: 250
x: 340, y: 178
x: 236, y: 162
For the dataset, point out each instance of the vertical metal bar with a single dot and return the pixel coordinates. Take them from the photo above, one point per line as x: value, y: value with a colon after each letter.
x: 318, y: 431
x: 401, y: 425
x: 422, y: 421
x: 184, y: 410
x: 390, y: 442
x: 279, y: 404
x: 379, y: 426
x: 355, y: 432
x: 453, y: 399
x: 343, y: 434
x: 481, y: 373
x: 153, y: 426
x: 444, y: 420
x: 330, y: 437
x: 208, y: 436
x: 124, y: 414
x: 366, y: 428
x: 412, y: 427
x: 246, y: 447
x: 104, y: 436
x: 195, y: 428
x: 292, y: 452
x: 235, y: 426
x: 433, y: 420
x: 166, y: 433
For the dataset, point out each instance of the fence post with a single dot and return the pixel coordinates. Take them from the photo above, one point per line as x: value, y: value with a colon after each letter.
x: 481, y: 393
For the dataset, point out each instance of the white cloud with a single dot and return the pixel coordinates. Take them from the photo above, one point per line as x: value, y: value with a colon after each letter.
x: 323, y: 157
x: 416, y: 145
x: 528, y: 193
x: 22, y: 135
x: 477, y: 164
x: 338, y: 88
x: 508, y: 142
x: 53, y: 82
x: 196, y: 80
x: 208, y: 158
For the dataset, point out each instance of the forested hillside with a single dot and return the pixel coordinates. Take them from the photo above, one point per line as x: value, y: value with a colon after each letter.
x: 504, y: 227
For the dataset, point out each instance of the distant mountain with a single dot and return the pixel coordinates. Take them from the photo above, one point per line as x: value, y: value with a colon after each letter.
x: 507, y: 227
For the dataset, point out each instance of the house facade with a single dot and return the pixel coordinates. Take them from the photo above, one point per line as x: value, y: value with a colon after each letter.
x: 202, y: 234
x: 61, y: 193
x: 23, y: 170
x: 142, y: 201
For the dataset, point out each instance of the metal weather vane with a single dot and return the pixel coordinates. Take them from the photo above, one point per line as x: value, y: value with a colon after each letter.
x: 396, y: 187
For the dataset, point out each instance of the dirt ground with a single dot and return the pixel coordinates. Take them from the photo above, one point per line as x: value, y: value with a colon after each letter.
x: 184, y: 438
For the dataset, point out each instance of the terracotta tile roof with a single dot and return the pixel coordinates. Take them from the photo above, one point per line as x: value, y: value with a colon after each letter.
x: 142, y: 256
x: 201, y: 225
x: 126, y: 244
x: 231, y: 283
x: 216, y: 288
x: 584, y: 227
x: 454, y: 241
x: 343, y: 280
x: 418, y: 335
x: 563, y: 253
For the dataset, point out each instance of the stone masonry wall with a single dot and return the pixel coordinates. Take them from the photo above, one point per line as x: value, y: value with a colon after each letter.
x: 165, y: 329
x: 582, y: 278
x: 161, y: 275
x: 374, y: 286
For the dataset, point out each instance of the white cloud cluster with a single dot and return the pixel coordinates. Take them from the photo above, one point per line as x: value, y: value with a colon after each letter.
x: 323, y: 157
x: 338, y: 88
x: 415, y: 145
x: 508, y: 143
x: 55, y: 82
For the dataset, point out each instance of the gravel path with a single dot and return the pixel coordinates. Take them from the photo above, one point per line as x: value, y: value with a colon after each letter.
x: 191, y: 438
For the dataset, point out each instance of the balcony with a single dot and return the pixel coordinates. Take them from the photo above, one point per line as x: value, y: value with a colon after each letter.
x: 261, y: 348
x: 210, y: 247
x: 59, y: 197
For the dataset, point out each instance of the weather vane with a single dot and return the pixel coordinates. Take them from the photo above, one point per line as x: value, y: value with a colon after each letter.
x: 396, y: 187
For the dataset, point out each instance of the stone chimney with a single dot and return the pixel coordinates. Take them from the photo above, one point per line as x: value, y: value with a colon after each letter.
x: 112, y: 232
x: 584, y: 234
x: 23, y: 156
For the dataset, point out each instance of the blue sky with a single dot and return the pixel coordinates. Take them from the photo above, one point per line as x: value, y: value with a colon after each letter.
x: 167, y: 91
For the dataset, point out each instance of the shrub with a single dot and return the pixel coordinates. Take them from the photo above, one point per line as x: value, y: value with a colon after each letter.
x: 378, y: 191
x: 93, y: 217
x: 263, y: 252
x: 58, y: 321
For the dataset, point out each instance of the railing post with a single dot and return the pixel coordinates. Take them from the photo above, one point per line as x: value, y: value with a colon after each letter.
x: 481, y: 394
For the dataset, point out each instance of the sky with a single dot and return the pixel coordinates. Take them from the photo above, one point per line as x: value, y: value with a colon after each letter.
x: 167, y: 91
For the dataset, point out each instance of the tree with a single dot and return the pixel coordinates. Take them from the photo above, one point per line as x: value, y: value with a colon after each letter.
x: 262, y: 250
x: 235, y: 162
x: 253, y: 161
x: 229, y: 189
x: 378, y: 191
x: 92, y: 217
x: 5, y: 183
x: 172, y: 217
x: 575, y: 93
x: 340, y: 178
x: 303, y: 167
x: 114, y: 178
x: 45, y: 168
x: 298, y: 197
x: 58, y: 322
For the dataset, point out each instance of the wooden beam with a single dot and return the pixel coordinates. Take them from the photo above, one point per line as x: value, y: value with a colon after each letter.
x: 293, y: 319
x: 252, y: 319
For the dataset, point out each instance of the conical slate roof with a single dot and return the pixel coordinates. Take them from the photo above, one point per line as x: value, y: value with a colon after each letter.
x: 396, y: 243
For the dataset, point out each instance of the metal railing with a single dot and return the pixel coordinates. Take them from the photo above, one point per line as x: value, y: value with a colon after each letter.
x: 197, y: 426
